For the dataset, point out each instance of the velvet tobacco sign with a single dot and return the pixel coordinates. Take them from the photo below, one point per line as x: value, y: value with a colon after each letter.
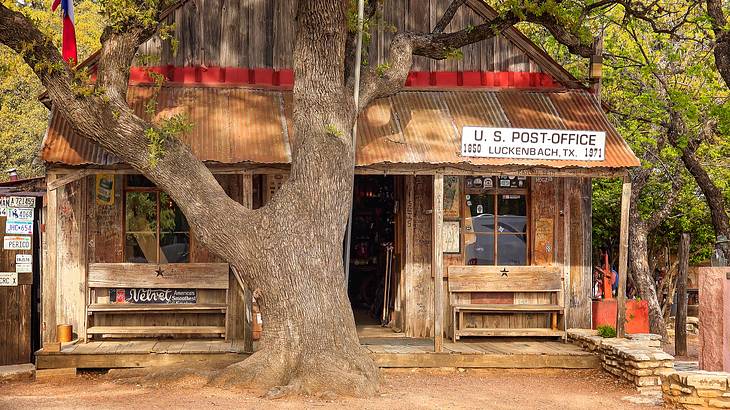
x: 153, y: 296
x: 531, y: 143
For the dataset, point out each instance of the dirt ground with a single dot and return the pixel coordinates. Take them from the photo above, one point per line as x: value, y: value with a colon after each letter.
x: 400, y: 389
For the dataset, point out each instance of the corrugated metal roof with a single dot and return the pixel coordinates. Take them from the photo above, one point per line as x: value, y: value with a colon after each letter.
x: 243, y: 125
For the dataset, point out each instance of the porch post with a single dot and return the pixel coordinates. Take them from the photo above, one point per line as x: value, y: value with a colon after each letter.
x: 623, y: 255
x: 437, y: 262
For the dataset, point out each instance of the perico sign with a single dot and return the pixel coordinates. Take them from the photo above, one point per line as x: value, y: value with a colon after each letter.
x: 530, y: 143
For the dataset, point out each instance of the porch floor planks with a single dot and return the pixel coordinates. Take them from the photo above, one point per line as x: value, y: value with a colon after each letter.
x: 387, y: 352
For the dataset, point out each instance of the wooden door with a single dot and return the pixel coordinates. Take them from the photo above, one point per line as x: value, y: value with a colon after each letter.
x: 16, y: 295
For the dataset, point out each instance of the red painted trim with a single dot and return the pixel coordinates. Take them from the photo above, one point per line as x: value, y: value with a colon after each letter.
x: 210, y: 76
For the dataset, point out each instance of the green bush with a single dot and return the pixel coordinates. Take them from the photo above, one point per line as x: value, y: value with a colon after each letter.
x: 606, y: 331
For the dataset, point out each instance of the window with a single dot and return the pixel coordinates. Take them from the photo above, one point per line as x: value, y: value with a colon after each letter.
x: 495, y: 220
x: 156, y: 231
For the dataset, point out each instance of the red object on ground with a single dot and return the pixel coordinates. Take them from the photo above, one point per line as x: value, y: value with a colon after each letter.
x: 637, y: 315
x: 604, y: 312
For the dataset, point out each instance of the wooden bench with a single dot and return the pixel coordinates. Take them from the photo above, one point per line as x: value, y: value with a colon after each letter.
x: 543, y: 281
x: 199, y: 276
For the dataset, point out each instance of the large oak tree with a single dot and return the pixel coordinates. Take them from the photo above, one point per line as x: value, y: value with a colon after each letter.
x: 289, y: 251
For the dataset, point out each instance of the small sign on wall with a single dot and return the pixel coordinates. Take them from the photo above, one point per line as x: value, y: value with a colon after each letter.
x: 14, y: 226
x: 20, y: 214
x: 153, y: 296
x: 16, y: 243
x: 8, y: 279
x: 105, y: 189
x: 23, y: 263
x: 17, y: 202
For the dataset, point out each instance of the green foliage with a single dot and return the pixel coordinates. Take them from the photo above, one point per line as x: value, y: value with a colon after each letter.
x: 606, y: 331
x: 644, y: 76
x: 381, y: 69
x: 332, y: 129
x: 24, y: 119
x: 163, y: 132
x: 454, y: 54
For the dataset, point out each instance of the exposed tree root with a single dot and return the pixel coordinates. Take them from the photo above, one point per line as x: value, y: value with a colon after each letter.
x: 317, y: 373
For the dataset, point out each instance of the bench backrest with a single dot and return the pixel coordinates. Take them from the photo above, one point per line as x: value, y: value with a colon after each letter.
x: 164, y: 275
x: 505, y: 279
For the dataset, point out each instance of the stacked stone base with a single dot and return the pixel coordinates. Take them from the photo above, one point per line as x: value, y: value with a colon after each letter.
x: 697, y: 390
x: 638, y: 358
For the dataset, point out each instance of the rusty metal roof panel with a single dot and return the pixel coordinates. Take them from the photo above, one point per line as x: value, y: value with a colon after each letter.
x: 237, y: 125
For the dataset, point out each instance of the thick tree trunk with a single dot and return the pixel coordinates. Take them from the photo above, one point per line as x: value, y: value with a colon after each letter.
x: 309, y: 340
x: 639, y: 261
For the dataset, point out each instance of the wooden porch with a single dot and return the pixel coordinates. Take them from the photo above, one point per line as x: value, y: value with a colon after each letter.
x: 392, y: 351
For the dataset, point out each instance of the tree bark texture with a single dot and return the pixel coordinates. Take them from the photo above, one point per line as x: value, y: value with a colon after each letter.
x: 713, y: 196
x: 680, y: 321
x: 639, y: 249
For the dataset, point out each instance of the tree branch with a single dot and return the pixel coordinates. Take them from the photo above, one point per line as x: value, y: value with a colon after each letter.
x: 722, y: 38
x: 448, y: 16
x: 107, y: 120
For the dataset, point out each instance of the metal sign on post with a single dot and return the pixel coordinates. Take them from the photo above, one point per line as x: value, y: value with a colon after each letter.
x: 17, y: 202
x: 24, y: 263
x: 531, y: 143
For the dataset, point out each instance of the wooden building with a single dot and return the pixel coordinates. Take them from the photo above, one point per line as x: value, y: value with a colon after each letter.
x: 502, y: 246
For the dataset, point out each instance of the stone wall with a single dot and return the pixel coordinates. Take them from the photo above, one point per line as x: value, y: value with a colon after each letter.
x: 697, y: 390
x: 638, y: 358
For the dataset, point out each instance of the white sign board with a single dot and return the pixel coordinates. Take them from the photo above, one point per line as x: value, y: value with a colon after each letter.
x: 13, y: 226
x: 530, y: 143
x: 17, y: 202
x: 8, y: 279
x: 16, y: 243
x: 24, y: 267
x: 23, y: 258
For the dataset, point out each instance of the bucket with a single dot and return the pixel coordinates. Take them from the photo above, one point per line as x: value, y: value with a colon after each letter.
x: 65, y: 333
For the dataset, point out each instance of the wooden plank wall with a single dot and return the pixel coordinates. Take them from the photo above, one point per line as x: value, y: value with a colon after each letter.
x: 419, y: 281
x: 80, y: 231
x: 260, y: 34
x: 15, y: 310
x: 579, y: 258
x: 71, y: 253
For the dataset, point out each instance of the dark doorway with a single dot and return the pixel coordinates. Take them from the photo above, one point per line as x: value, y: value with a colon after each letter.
x: 372, y: 249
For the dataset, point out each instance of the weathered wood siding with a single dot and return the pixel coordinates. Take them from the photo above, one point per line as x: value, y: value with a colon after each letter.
x: 15, y: 309
x: 260, y: 34
x: 579, y: 258
x: 418, y: 279
x: 79, y: 231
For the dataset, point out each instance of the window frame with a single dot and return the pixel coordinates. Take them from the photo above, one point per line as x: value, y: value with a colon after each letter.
x: 495, y: 191
x: 158, y: 233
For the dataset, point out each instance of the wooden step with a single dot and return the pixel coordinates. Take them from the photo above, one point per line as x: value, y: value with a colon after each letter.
x: 510, y: 332
x: 509, y: 308
x: 153, y: 330
x: 136, y: 308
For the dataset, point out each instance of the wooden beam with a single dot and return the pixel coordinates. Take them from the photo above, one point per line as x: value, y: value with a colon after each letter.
x: 623, y: 256
x: 437, y: 262
x: 71, y: 177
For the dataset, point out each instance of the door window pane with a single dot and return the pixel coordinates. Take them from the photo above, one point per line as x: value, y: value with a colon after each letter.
x: 174, y: 232
x: 141, y: 226
x: 479, y: 249
x: 512, y: 213
x: 479, y: 213
x: 512, y: 249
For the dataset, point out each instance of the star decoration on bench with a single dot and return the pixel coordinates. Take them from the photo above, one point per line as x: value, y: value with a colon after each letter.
x: 160, y: 272
x: 504, y: 272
